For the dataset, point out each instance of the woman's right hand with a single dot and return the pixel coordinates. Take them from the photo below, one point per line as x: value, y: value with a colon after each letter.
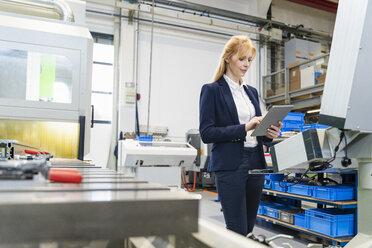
x: 253, y: 123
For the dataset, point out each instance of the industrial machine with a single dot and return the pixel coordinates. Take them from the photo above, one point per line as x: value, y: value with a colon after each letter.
x: 345, y: 107
x: 203, y: 177
x: 155, y: 161
x: 45, y: 72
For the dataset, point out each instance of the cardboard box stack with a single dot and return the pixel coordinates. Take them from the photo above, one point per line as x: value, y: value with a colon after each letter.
x: 294, y: 77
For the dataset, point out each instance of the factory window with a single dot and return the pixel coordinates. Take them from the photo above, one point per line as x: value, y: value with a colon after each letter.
x: 35, y: 76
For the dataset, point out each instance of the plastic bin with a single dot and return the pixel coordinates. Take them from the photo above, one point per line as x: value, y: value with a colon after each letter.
x: 299, y: 220
x: 313, y: 126
x: 293, y: 116
x: 300, y: 189
x: 279, y: 186
x: 272, y: 210
x: 292, y: 125
x: 267, y: 184
x: 261, y: 206
x: 287, y: 215
x: 332, y: 222
x: 334, y: 193
x: 274, y: 177
x: 144, y: 138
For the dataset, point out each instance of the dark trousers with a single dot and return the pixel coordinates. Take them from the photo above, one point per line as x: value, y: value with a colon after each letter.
x: 240, y: 193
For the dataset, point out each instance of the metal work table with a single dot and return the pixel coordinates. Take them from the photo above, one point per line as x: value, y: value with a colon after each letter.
x: 105, y: 206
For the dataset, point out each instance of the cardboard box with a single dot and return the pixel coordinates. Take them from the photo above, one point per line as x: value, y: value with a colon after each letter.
x: 307, y: 77
x: 294, y: 77
x: 269, y: 93
x: 321, y: 79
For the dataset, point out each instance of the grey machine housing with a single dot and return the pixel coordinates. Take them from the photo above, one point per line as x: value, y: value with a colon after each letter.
x: 298, y: 151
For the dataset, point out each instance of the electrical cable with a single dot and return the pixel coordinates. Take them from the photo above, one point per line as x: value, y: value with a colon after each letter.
x: 319, y: 166
x: 184, y: 181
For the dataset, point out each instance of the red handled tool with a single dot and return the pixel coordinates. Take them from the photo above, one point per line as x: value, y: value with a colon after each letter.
x: 34, y: 152
x: 61, y: 175
x: 64, y: 175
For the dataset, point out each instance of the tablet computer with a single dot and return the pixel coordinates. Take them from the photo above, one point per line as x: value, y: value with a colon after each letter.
x: 276, y: 113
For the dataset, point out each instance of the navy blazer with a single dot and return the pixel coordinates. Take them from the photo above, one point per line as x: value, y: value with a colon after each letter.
x: 219, y: 124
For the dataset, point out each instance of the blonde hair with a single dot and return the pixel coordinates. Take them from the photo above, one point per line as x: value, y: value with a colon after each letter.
x: 238, y: 44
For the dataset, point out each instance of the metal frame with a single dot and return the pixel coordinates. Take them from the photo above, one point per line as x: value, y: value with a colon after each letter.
x: 288, y: 96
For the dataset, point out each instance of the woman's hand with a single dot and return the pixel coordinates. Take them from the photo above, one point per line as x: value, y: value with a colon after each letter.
x: 253, y: 123
x: 274, y: 131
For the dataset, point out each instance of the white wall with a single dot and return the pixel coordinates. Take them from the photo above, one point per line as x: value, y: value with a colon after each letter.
x: 182, y: 62
x: 181, y: 65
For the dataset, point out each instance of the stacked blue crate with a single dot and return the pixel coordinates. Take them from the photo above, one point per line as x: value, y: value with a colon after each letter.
x: 334, y: 193
x: 270, y: 178
x: 299, y: 220
x: 332, y: 222
x: 261, y: 206
x: 271, y: 210
x: 279, y: 186
x: 313, y: 126
x: 300, y: 189
x: 293, y: 121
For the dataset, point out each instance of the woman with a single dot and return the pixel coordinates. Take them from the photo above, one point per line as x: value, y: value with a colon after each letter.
x: 229, y: 109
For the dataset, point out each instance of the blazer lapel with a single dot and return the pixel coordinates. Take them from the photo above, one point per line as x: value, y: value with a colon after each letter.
x: 254, y: 100
x: 226, y: 93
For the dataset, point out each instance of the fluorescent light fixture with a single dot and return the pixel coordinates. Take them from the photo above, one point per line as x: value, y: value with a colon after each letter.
x: 313, y: 111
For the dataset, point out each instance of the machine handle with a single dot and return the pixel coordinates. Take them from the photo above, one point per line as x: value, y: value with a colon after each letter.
x: 92, y: 120
x: 64, y: 170
x: 34, y: 152
x: 65, y: 177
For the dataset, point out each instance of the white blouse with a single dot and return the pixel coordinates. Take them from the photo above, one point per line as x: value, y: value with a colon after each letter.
x: 244, y: 107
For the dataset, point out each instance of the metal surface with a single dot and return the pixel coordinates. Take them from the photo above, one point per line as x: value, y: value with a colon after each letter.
x: 40, y: 211
x: 345, y: 98
x: 301, y: 149
x: 301, y: 98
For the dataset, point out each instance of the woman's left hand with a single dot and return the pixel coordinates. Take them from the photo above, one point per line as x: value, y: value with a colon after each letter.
x: 274, y: 131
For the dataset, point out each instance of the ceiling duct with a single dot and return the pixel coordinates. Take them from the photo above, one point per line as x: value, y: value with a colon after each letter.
x: 39, y: 8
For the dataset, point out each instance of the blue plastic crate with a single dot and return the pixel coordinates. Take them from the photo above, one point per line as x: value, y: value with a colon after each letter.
x: 334, y: 193
x: 144, y: 138
x: 292, y: 125
x: 300, y: 189
x: 274, y: 177
x: 313, y: 126
x: 279, y: 186
x: 299, y: 220
x: 332, y: 222
x: 293, y: 116
x: 272, y: 210
x: 267, y: 184
x: 261, y: 206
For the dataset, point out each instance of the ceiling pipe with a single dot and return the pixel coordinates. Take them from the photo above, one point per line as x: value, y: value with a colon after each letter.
x: 246, y: 18
x: 60, y: 6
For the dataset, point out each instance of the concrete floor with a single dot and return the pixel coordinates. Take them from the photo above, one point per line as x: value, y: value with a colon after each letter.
x: 211, y: 210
